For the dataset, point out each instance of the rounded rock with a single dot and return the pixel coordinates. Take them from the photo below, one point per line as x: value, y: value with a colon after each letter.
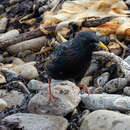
x: 68, y: 98
x: 34, y: 85
x: 126, y: 90
x: 105, y: 120
x: 2, y: 79
x: 3, y: 104
x: 1, y: 58
x: 13, y: 98
x: 3, y: 24
x: 29, y: 121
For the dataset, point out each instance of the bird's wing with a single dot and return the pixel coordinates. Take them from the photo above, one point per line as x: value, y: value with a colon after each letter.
x: 62, y: 51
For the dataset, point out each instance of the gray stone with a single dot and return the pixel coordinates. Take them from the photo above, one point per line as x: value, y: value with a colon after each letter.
x: 127, y: 2
x: 35, y: 85
x: 68, y: 98
x: 1, y: 58
x: 101, y: 80
x: 127, y: 59
x: 106, y: 101
x: 38, y: 122
x: 18, y: 61
x: 3, y: 24
x: 126, y: 90
x: 32, y: 44
x: 27, y: 70
x: 9, y: 74
x: 1, y: 8
x: 20, y: 85
x: 2, y: 79
x: 105, y: 120
x: 86, y: 80
x: 12, y: 98
x: 3, y: 104
x: 9, y: 34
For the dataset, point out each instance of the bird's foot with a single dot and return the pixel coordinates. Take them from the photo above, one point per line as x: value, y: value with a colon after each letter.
x: 84, y: 88
x: 52, y: 98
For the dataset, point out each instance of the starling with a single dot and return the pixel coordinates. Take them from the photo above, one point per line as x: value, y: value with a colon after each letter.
x: 70, y: 60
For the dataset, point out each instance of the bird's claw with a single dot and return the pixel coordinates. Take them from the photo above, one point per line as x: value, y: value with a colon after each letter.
x: 84, y: 88
x: 52, y: 98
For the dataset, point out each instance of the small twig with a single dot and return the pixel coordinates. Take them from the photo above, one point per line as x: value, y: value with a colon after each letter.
x: 97, y: 22
x: 44, y: 51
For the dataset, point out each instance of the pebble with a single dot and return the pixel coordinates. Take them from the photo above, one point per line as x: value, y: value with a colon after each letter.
x: 3, y: 24
x: 98, y: 90
x: 102, y: 79
x: 3, y: 104
x: 20, y: 85
x: 1, y: 58
x: 17, y: 61
x: 32, y: 44
x: 2, y: 79
x: 35, y: 85
x: 106, y: 101
x: 29, y: 121
x: 1, y: 8
x: 43, y: 9
x: 127, y: 59
x: 127, y: 2
x: 126, y: 90
x: 27, y: 70
x: 86, y: 80
x: 27, y: 55
x: 68, y: 98
x: 115, y: 85
x: 9, y: 74
x: 14, y: 1
x: 105, y: 120
x: 13, y: 98
x: 9, y: 34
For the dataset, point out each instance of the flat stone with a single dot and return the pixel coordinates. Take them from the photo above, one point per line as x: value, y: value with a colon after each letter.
x: 105, y: 120
x: 37, y: 122
x: 106, y: 101
x: 12, y: 98
x: 68, y: 98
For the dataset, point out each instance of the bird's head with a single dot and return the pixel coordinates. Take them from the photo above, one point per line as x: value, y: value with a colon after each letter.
x: 90, y: 40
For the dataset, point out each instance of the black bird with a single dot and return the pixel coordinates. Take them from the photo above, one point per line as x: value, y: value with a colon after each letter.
x: 71, y: 59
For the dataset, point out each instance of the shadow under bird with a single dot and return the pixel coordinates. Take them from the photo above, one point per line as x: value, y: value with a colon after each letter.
x: 70, y: 60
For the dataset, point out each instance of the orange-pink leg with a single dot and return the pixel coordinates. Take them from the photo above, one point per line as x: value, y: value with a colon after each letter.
x: 84, y: 87
x: 51, y: 96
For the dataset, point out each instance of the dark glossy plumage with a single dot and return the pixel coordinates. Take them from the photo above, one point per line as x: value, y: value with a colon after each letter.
x: 71, y: 59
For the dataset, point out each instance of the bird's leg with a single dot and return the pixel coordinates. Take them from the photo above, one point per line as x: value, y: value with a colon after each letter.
x: 51, y: 96
x: 84, y: 87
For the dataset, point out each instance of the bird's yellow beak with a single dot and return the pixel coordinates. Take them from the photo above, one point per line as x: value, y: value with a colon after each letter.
x: 103, y: 46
